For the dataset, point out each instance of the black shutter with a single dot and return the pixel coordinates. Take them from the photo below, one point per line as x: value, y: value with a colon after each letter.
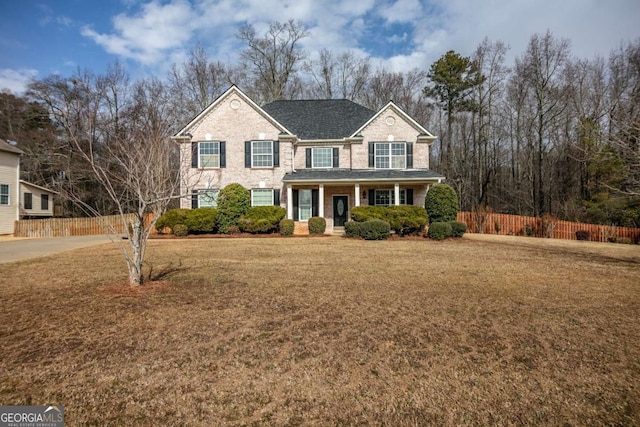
x: 409, y: 196
x: 308, y: 158
x: 247, y: 154
x: 194, y: 154
x: 276, y: 154
x: 194, y: 199
x: 372, y: 197
x: 409, y: 155
x: 336, y: 157
x: 223, y: 154
x: 372, y: 160
x: 314, y: 202
x: 276, y: 197
x: 295, y: 205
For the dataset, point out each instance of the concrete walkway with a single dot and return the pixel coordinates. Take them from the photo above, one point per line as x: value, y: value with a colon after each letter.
x: 16, y: 249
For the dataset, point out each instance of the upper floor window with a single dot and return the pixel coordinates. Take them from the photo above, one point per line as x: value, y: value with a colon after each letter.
x: 208, y: 154
x: 390, y: 155
x: 322, y: 157
x: 28, y: 201
x: 4, y: 194
x: 261, y: 154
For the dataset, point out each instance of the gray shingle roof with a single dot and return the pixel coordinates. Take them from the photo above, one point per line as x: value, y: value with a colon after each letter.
x: 5, y: 146
x: 320, y: 119
x: 327, y: 175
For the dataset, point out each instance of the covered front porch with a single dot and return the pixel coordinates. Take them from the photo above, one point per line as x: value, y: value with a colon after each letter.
x: 332, y: 194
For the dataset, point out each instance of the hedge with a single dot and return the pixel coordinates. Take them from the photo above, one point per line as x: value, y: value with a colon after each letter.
x: 201, y: 220
x: 286, y: 227
x: 441, y: 203
x: 458, y: 228
x: 170, y: 218
x: 317, y: 225
x: 403, y: 220
x: 375, y: 229
x: 439, y: 230
x: 262, y: 219
x: 233, y: 201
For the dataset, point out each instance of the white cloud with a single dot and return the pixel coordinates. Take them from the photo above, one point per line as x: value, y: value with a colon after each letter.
x: 402, y: 11
x: 149, y: 35
x: 16, y: 80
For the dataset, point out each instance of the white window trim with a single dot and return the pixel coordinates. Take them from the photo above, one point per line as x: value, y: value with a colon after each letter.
x: 390, y: 156
x: 202, y: 193
x: 200, y: 154
x: 262, y: 190
x: 8, y: 195
x: 313, y: 157
x: 271, y: 153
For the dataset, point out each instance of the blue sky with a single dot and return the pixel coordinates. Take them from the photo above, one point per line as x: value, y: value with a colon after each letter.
x: 38, y: 38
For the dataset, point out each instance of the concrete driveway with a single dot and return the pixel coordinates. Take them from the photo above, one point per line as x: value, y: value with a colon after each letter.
x: 16, y: 249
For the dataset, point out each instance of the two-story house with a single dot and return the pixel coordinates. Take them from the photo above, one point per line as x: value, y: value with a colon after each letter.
x: 18, y: 198
x: 313, y: 157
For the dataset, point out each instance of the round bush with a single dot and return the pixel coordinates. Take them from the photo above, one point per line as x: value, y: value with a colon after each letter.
x: 317, y: 225
x: 233, y: 201
x: 458, y: 228
x: 180, y: 230
x: 439, y: 230
x: 286, y: 227
x: 352, y: 229
x: 201, y: 220
x: 171, y: 218
x: 441, y: 203
x: 376, y: 229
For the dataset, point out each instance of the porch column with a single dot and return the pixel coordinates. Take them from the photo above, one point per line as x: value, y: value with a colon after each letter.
x: 321, y: 201
x: 289, y: 202
x: 357, y: 198
x: 396, y: 189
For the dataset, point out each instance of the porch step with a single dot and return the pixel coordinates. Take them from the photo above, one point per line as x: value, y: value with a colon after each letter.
x: 301, y: 228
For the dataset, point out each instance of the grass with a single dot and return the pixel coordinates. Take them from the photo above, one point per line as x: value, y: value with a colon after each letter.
x: 486, y: 330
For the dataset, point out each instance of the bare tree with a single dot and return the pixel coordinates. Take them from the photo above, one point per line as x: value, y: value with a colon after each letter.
x: 344, y: 76
x: 272, y: 59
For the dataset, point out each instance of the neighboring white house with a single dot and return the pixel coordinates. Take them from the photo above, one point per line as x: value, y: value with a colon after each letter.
x: 19, y: 198
x: 314, y: 157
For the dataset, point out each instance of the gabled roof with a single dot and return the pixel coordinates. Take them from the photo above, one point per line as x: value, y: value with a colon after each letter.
x: 424, y: 133
x: 232, y: 90
x: 320, y: 119
x: 39, y: 187
x: 5, y: 146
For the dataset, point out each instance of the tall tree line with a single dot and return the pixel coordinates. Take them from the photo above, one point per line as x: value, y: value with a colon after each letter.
x: 547, y: 134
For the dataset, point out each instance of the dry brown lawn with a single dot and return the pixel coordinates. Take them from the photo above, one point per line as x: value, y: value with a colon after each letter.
x: 329, y: 331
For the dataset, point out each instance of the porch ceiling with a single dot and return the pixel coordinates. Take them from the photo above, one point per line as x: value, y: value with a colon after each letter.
x: 308, y: 176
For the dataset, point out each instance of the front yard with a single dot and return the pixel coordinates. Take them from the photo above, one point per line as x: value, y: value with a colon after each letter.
x: 485, y: 330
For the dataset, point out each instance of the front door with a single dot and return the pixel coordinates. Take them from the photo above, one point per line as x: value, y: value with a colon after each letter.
x: 340, y: 210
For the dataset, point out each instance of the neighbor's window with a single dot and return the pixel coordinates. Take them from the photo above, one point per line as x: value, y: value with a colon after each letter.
x: 388, y: 197
x: 322, y: 157
x: 44, y: 202
x: 262, y: 154
x: 208, y: 198
x: 209, y: 154
x: 262, y: 197
x: 28, y: 201
x: 4, y: 194
x: 390, y: 155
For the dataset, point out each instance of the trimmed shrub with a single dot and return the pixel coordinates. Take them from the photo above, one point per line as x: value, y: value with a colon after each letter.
x: 458, y: 229
x: 583, y: 235
x: 180, y: 230
x: 201, y: 220
x: 262, y: 219
x: 286, y: 227
x: 441, y: 203
x: 376, y: 229
x: 233, y: 201
x: 439, y: 230
x: 404, y: 219
x: 317, y: 225
x: 171, y: 218
x: 352, y: 229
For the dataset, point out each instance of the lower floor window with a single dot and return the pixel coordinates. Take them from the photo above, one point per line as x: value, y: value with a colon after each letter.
x: 304, y: 205
x: 388, y: 197
x: 4, y: 194
x: 262, y: 197
x: 208, y: 198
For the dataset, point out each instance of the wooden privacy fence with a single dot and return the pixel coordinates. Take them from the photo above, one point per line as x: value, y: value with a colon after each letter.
x: 549, y: 227
x: 61, y: 227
